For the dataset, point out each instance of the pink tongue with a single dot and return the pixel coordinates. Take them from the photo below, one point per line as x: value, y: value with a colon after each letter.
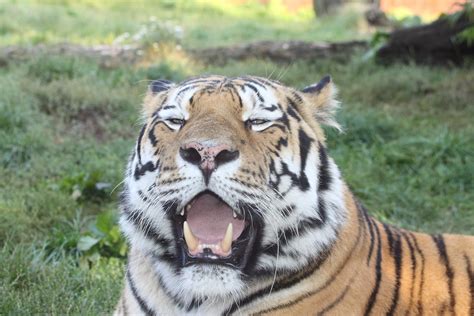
x: 209, y: 217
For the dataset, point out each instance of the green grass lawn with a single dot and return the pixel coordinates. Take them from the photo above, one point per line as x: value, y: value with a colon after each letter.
x: 203, y: 23
x: 66, y: 124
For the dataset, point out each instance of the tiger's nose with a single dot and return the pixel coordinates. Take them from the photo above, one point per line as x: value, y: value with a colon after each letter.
x: 207, y: 157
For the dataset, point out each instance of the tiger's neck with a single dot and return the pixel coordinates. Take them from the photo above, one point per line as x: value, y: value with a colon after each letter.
x: 344, y: 256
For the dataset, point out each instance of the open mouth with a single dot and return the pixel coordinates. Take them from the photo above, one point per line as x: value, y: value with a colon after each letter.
x: 210, y: 231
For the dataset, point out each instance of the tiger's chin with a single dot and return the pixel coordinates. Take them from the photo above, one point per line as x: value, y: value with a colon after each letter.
x: 210, y: 282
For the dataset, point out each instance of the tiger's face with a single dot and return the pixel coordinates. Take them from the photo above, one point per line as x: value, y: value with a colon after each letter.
x: 226, y: 183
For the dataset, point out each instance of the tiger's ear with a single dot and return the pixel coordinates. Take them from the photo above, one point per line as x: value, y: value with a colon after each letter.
x: 321, y: 97
x: 155, y: 93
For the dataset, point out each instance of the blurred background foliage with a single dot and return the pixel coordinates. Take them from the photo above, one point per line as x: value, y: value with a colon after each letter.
x: 68, y: 123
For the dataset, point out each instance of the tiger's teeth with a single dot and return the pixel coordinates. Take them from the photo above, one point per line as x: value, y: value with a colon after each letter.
x: 226, y: 243
x: 182, y: 212
x: 191, y: 241
x: 188, y: 207
x: 234, y: 214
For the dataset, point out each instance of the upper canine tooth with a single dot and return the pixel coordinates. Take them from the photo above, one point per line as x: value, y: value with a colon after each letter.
x: 226, y: 243
x: 190, y: 239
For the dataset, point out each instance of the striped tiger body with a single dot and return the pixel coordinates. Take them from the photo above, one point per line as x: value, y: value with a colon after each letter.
x: 231, y: 205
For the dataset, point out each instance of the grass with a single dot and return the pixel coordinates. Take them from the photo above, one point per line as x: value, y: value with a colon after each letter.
x: 67, y: 124
x: 91, y: 22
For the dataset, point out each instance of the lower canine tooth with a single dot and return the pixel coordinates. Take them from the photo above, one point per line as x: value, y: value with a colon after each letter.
x: 235, y: 214
x: 191, y: 241
x: 226, y: 243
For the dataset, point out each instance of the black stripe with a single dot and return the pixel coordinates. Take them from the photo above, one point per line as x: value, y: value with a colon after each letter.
x: 470, y: 274
x: 337, y: 300
x: 142, y: 196
x: 300, y: 181
x: 201, y: 79
x: 255, y: 82
x: 439, y: 241
x: 419, y: 304
x: 271, y: 108
x: 324, y: 176
x: 396, y: 252
x: 163, y: 101
x: 287, y: 210
x: 251, y: 86
x: 282, y: 142
x: 322, y: 211
x: 369, y: 224
x: 305, y: 225
x: 378, y: 273
x: 139, y: 141
x: 268, y: 82
x: 183, y: 90
x: 144, y: 225
x: 167, y: 107
x: 151, y: 132
x: 298, y: 98
x: 233, y: 90
x: 305, y: 144
x: 388, y: 232
x: 413, y: 268
x: 292, y: 103
x: 143, y: 305
x: 293, y: 113
x: 140, y: 170
x: 285, y: 121
x: 195, y: 303
x: 279, y: 285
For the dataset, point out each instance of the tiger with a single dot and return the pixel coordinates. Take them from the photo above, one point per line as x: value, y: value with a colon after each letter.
x: 231, y: 205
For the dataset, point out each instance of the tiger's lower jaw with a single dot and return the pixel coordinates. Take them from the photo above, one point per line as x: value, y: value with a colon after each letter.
x: 206, y: 283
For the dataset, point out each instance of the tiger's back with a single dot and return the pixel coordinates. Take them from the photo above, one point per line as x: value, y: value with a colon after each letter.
x: 232, y: 205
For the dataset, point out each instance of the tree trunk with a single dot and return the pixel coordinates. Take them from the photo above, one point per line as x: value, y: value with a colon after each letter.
x: 325, y: 7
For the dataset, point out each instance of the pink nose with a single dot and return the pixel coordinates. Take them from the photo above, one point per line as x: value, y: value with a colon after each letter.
x: 206, y: 157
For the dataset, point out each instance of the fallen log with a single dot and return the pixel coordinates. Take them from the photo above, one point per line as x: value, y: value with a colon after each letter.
x: 287, y: 51
x: 431, y: 43
x: 108, y: 55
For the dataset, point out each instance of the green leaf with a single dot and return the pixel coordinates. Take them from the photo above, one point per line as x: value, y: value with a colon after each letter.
x: 86, y: 242
x: 105, y: 222
x: 114, y: 234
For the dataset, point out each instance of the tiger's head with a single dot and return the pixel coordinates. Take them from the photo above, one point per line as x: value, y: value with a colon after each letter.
x: 229, y: 183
